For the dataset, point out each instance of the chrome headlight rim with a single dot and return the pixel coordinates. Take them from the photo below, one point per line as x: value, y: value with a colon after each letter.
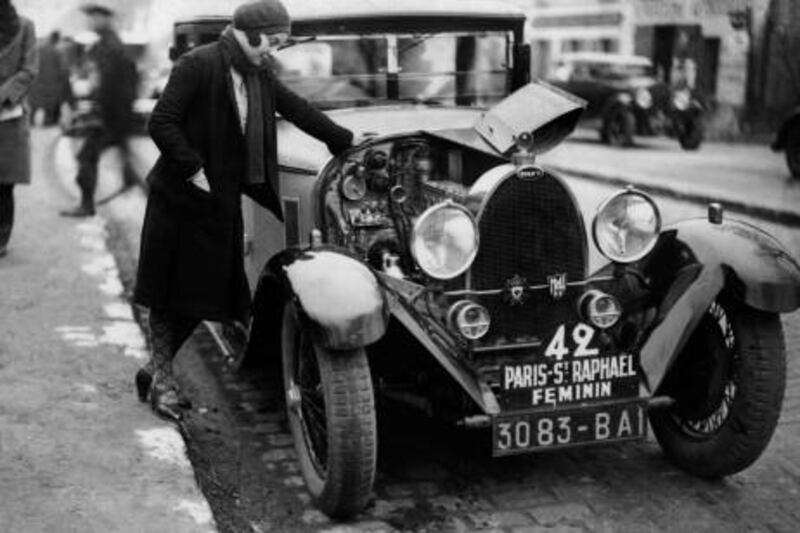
x: 644, y: 98
x: 628, y: 191
x: 681, y: 99
x: 423, y: 218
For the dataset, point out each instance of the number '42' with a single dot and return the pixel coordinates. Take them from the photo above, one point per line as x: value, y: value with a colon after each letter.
x: 581, y: 336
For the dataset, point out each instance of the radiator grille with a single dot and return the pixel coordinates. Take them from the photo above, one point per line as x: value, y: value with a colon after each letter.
x: 532, y: 229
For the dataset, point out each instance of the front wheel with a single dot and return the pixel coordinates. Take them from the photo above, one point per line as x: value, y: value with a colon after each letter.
x: 331, y: 413
x: 728, y: 384
x: 619, y: 127
x: 690, y: 132
x: 793, y: 152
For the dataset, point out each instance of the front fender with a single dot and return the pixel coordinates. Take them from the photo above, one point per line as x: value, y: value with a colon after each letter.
x: 693, y: 263
x: 338, y: 297
x: 792, y: 122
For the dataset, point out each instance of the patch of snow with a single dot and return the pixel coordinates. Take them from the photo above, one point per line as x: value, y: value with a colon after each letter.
x: 164, y: 444
x: 199, y: 510
x: 140, y: 354
x: 118, y: 310
x: 123, y: 333
x: 67, y: 329
x: 100, y: 265
x: 111, y: 286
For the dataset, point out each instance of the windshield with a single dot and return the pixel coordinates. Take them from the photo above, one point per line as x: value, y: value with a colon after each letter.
x: 617, y: 71
x: 469, y: 69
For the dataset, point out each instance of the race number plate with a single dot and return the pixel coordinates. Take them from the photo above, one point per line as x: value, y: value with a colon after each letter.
x: 527, y: 432
x: 572, y: 369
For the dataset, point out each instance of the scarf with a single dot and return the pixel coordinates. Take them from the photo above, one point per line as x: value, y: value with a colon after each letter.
x: 255, y: 174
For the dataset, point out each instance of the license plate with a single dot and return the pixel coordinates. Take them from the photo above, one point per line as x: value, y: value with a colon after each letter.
x: 534, y: 431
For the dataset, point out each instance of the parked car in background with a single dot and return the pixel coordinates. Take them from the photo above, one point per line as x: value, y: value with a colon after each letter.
x: 626, y: 99
x: 438, y: 265
x: 788, y: 140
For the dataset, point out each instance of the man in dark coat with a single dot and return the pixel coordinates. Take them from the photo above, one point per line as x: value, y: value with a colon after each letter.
x: 51, y: 88
x: 113, y: 96
x: 215, y: 127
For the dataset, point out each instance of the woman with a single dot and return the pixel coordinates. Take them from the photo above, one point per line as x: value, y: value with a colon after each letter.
x: 18, y: 68
x: 216, y: 130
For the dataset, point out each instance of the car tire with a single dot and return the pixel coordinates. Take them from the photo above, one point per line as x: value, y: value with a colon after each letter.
x: 728, y: 384
x: 691, y: 133
x: 619, y: 127
x: 793, y: 152
x: 331, y: 413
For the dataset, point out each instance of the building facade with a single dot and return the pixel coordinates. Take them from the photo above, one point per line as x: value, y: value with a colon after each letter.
x: 561, y: 26
x: 717, y: 46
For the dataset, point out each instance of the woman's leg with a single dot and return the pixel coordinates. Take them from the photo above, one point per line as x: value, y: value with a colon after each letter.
x: 167, y: 335
x: 6, y: 214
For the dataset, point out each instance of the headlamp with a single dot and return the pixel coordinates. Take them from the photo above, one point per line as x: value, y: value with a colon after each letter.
x: 445, y: 240
x: 626, y: 226
x: 681, y: 100
x: 643, y: 98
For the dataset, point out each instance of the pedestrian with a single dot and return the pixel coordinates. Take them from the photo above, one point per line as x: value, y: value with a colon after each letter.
x: 51, y: 88
x: 18, y: 68
x: 112, y: 97
x: 215, y: 127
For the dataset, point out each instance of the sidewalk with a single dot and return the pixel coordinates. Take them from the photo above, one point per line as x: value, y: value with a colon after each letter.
x: 78, y: 452
x: 747, y: 178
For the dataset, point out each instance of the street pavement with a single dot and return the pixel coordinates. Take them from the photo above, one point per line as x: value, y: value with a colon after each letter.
x: 746, y: 178
x: 78, y: 452
x: 430, y: 478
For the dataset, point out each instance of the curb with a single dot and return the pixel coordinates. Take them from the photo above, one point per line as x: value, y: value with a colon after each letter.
x: 778, y: 216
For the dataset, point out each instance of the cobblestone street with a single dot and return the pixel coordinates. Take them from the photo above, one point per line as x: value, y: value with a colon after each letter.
x: 433, y: 479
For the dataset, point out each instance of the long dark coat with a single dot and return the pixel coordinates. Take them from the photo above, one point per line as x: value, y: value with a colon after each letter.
x: 18, y: 68
x: 191, y: 261
x: 51, y: 87
x: 118, y: 83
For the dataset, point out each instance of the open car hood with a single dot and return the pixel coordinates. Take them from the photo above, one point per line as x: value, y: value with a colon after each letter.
x: 547, y: 112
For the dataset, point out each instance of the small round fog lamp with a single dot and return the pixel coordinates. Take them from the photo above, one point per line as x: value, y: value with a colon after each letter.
x: 470, y: 319
x: 599, y: 309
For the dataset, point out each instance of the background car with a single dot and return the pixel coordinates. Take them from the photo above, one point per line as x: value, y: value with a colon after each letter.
x: 788, y: 140
x: 438, y: 266
x: 627, y: 99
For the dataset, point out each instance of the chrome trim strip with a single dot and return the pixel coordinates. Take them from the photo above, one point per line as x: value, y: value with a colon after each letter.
x: 296, y: 170
x: 493, y: 292
x: 507, y: 347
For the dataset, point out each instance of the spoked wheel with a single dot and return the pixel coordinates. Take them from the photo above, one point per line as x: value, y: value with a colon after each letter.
x: 618, y: 128
x: 793, y: 152
x: 728, y: 384
x: 691, y: 133
x: 331, y: 412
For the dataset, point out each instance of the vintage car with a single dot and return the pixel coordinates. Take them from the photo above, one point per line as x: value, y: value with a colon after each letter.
x: 437, y: 264
x: 626, y: 99
x: 788, y: 140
